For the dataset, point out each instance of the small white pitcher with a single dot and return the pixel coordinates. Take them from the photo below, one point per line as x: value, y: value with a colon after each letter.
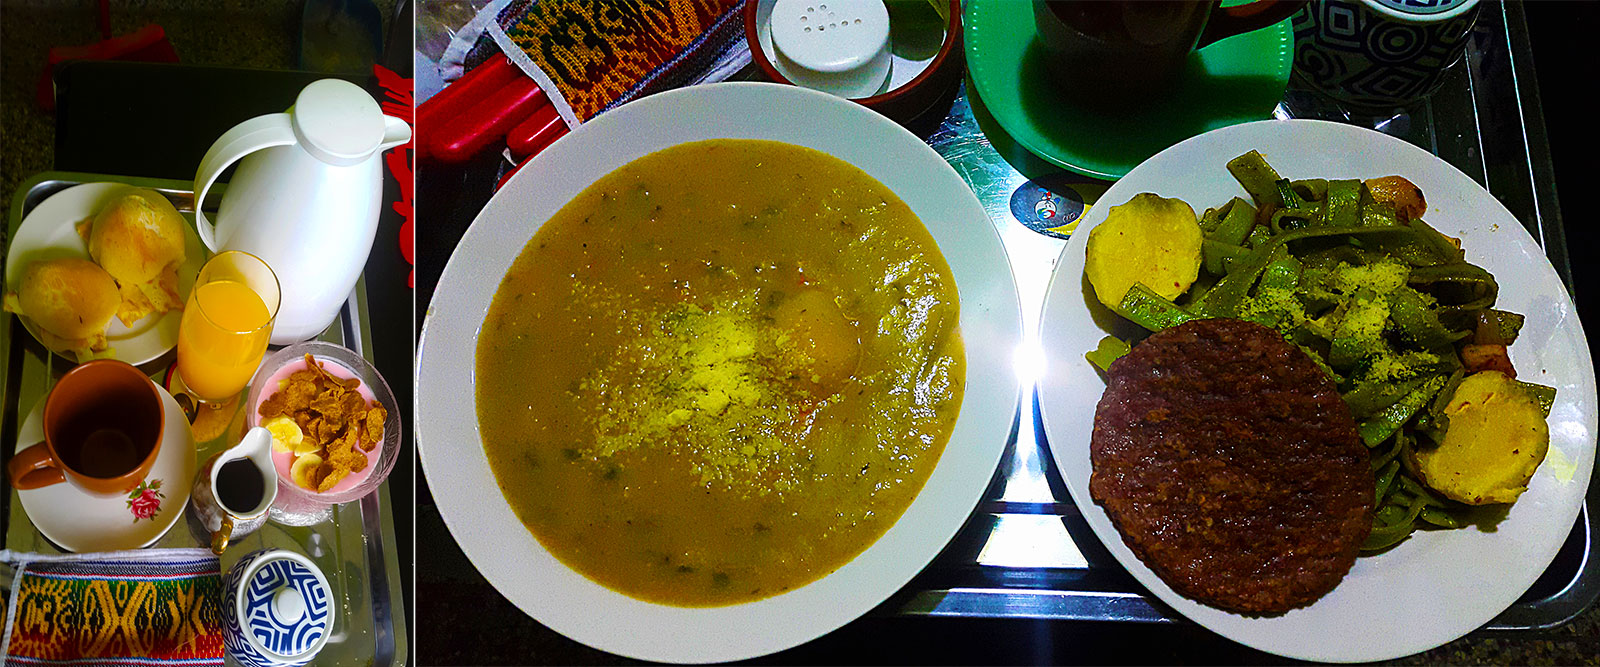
x: 235, y: 489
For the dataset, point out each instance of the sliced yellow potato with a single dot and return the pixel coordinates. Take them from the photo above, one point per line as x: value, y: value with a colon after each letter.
x: 1496, y: 439
x: 1151, y: 240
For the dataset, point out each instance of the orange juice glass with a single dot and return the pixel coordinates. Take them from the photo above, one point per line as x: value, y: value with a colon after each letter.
x: 226, y: 324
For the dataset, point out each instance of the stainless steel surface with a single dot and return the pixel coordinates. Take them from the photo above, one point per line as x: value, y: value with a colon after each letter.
x: 1026, y: 552
x: 355, y: 548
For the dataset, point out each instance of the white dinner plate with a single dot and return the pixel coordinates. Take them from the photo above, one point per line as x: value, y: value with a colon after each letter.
x: 80, y: 522
x: 447, y: 429
x: 49, y: 232
x: 1437, y: 585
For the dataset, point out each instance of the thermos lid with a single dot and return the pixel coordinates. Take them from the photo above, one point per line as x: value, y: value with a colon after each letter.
x: 338, y: 122
x: 284, y: 606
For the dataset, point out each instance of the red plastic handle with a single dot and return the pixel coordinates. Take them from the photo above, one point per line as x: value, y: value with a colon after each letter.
x: 469, y: 90
x: 532, y: 135
x: 1229, y: 21
x: 482, y: 125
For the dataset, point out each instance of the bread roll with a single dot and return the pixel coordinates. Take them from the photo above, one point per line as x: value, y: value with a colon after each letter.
x: 138, y: 239
x: 71, y: 300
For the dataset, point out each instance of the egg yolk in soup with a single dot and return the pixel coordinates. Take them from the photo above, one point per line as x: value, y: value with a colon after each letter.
x: 720, y: 372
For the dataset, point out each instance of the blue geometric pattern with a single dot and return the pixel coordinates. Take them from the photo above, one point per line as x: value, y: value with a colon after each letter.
x: 1422, y: 6
x: 262, y: 624
x: 1367, y: 60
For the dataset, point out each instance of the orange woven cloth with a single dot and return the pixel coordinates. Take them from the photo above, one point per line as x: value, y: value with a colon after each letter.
x: 152, y: 608
x: 591, y: 55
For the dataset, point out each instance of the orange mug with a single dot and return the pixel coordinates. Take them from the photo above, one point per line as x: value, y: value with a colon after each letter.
x: 102, y: 431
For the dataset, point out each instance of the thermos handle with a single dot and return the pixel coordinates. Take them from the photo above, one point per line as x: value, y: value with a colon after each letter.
x: 245, y: 138
x: 1229, y: 21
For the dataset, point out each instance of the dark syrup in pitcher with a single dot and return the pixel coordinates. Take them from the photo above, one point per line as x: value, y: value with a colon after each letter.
x: 239, y: 486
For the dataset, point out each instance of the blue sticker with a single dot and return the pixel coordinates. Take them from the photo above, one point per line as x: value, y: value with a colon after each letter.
x: 1054, y: 206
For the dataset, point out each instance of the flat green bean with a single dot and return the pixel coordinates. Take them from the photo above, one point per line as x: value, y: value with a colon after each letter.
x: 1343, y: 207
x: 1150, y: 310
x: 1258, y: 178
x: 1382, y: 425
x: 1217, y: 256
x: 1421, y: 323
x: 1441, y: 517
x: 1387, y: 535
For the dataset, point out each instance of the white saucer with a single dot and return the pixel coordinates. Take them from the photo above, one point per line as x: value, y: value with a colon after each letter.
x: 49, y: 232
x: 77, y: 521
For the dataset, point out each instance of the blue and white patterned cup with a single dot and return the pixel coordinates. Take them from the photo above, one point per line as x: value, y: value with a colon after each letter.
x: 1380, y: 54
x: 277, y: 610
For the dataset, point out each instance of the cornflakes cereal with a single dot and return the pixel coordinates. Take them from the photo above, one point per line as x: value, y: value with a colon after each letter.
x: 334, y: 421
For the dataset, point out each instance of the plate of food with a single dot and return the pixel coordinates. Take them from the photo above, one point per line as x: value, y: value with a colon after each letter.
x: 702, y: 384
x: 102, y: 270
x: 1317, y: 390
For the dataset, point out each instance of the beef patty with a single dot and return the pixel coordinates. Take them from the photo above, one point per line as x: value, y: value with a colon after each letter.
x: 1230, y: 465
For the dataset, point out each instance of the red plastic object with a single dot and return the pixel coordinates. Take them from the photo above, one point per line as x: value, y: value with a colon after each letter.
x: 459, y: 138
x: 469, y: 90
x: 148, y: 44
x: 532, y: 135
x: 557, y: 135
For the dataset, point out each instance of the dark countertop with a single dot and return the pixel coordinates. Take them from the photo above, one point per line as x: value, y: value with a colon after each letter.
x: 231, y: 33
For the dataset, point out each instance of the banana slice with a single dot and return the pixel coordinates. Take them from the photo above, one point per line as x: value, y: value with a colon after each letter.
x: 286, y: 435
x: 305, y: 471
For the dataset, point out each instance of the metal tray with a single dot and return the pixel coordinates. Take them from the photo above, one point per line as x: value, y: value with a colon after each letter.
x: 1027, y: 552
x: 355, y: 548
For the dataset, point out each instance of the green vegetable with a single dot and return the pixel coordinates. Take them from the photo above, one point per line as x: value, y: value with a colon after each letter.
x: 1343, y: 205
x: 1110, y: 349
x: 1544, y: 396
x: 1387, y: 535
x: 1217, y: 256
x: 1236, y: 223
x: 1258, y: 178
x: 1150, y: 310
x: 1367, y: 398
x: 1377, y: 429
x: 1385, y: 478
x: 1419, y: 321
x: 1440, y: 517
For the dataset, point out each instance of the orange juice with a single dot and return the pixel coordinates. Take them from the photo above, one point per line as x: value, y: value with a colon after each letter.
x: 222, y: 337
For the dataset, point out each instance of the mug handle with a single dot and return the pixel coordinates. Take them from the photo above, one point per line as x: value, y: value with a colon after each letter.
x: 1229, y: 21
x: 245, y: 138
x: 34, y: 468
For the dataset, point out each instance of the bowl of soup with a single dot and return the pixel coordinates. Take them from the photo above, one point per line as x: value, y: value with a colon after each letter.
x: 735, y: 377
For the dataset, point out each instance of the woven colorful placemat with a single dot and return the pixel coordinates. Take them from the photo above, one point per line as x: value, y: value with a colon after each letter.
x: 151, y: 607
x: 591, y: 55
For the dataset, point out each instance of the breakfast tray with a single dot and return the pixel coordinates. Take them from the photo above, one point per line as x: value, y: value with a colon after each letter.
x: 355, y: 548
x: 1027, y: 551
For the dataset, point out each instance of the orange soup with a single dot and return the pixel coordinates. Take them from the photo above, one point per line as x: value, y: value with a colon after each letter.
x: 720, y: 372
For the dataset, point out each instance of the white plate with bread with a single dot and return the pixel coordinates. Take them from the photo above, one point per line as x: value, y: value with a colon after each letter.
x: 69, y: 317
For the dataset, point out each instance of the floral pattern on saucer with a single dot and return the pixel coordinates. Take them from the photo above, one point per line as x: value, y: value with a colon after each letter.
x: 145, y: 501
